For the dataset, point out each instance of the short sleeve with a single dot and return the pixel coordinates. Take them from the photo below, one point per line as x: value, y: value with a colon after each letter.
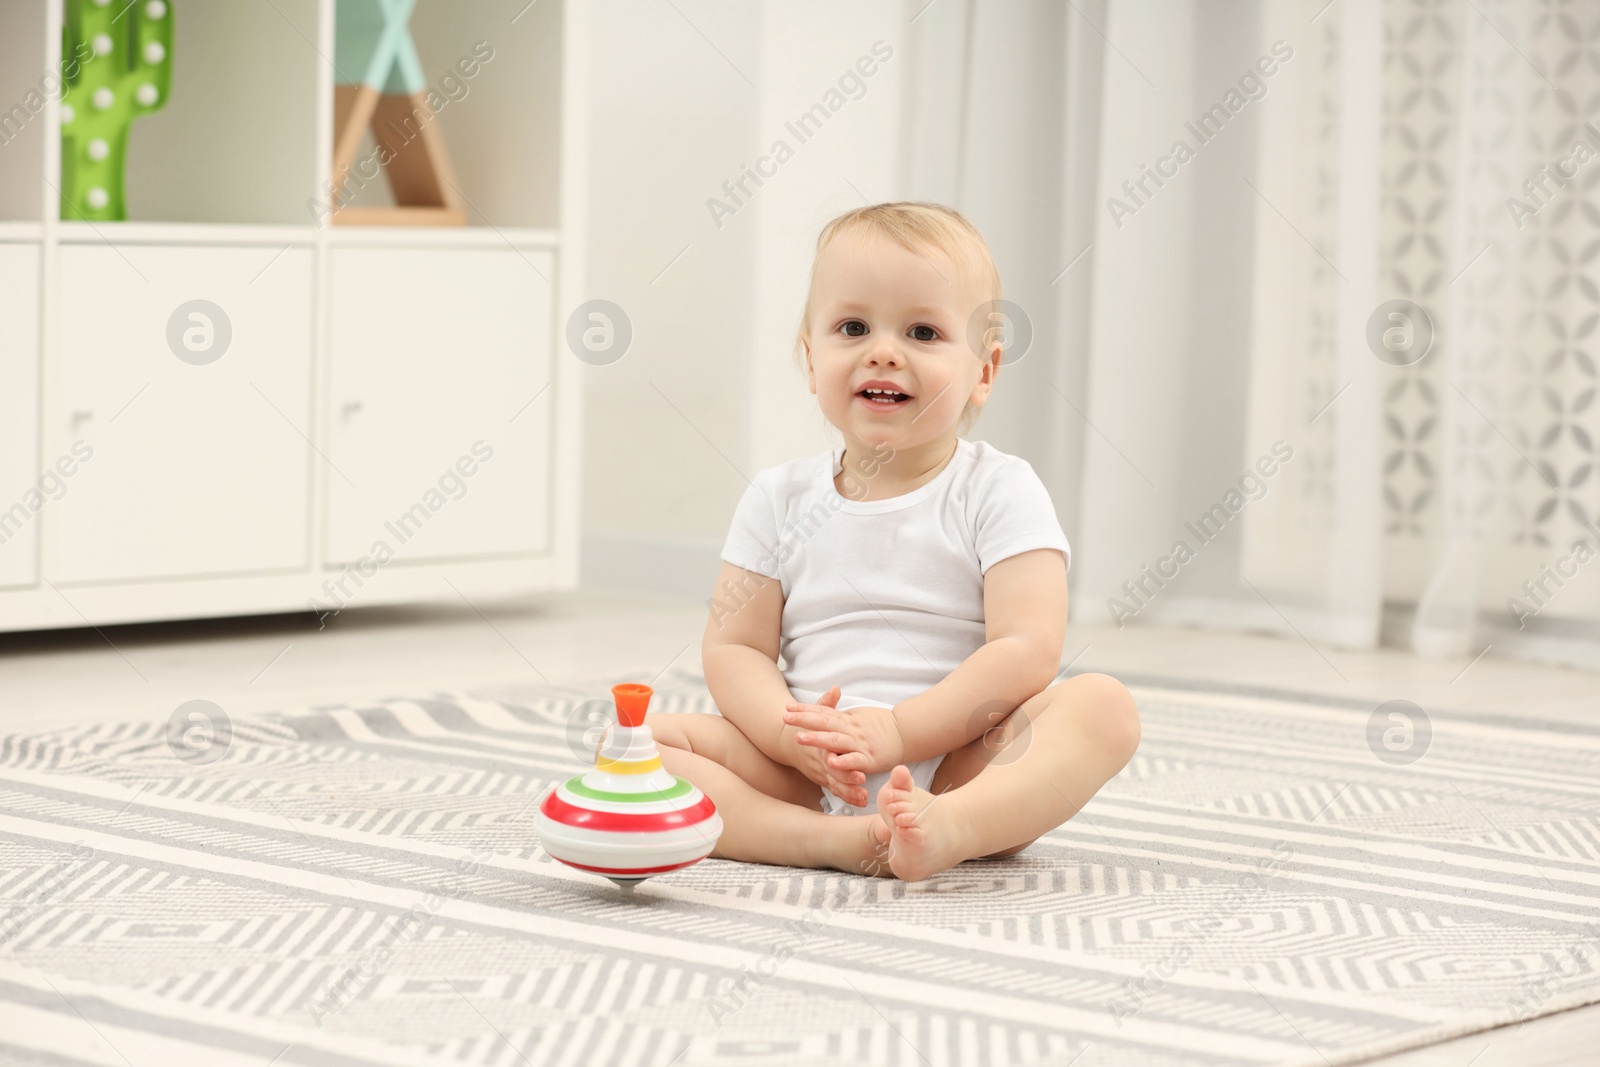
x: 1015, y: 514
x: 752, y: 541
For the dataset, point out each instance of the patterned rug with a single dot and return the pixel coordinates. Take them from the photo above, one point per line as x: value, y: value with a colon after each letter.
x: 1274, y: 879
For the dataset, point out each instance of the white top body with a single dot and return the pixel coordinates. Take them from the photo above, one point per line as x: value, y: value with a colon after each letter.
x: 885, y: 597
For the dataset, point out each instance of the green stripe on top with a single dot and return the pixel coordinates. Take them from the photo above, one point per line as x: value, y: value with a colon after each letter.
x: 576, y: 785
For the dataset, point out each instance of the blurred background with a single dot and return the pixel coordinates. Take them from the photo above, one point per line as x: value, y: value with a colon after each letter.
x: 1206, y: 213
x: 485, y: 309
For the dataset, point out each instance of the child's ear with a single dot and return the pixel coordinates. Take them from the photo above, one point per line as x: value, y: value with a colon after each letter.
x: 811, y: 374
x: 987, y: 376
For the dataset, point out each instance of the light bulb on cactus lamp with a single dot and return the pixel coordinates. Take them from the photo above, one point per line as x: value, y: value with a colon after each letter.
x: 629, y: 818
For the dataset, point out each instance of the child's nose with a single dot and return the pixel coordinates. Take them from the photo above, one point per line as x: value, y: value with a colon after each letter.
x: 885, y: 351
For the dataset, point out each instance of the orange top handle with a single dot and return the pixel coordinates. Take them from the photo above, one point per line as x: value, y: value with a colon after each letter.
x: 632, y: 699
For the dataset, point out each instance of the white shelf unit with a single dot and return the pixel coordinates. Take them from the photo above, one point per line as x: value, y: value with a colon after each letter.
x: 395, y: 417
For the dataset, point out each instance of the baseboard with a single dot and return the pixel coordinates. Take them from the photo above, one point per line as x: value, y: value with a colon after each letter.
x: 1244, y: 615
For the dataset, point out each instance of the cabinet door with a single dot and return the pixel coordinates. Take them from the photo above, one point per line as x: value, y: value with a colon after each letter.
x: 440, y: 422
x: 25, y: 490
x: 188, y: 371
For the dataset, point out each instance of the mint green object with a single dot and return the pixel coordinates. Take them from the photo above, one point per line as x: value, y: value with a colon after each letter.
x: 116, y: 62
x: 372, y: 46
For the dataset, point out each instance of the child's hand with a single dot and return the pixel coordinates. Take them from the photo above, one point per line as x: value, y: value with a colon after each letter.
x: 865, y: 739
x: 848, y: 786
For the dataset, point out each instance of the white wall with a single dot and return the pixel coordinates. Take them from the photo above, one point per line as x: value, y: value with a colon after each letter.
x: 673, y: 116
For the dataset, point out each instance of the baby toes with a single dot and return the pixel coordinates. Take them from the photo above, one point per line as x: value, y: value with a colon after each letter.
x: 897, y: 793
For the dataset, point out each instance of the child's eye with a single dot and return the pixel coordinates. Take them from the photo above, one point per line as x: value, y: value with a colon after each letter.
x: 850, y: 328
x: 924, y: 333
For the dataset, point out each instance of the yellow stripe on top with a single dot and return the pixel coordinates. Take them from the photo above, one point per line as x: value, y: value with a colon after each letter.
x: 617, y: 766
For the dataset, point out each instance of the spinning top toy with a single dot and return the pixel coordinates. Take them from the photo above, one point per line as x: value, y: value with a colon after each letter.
x: 629, y: 818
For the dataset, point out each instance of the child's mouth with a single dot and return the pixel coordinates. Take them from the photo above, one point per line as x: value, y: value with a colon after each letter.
x: 882, y: 399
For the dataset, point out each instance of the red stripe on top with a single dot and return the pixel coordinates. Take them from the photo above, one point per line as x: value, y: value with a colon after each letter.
x: 587, y: 819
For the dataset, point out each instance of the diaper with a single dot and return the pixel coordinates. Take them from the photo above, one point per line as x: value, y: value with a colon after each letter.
x: 921, y: 776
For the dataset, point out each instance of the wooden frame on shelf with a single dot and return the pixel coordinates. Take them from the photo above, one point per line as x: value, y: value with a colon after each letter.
x: 390, y: 99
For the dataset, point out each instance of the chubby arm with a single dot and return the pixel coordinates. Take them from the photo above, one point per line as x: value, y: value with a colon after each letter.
x: 1025, y: 624
x: 740, y: 655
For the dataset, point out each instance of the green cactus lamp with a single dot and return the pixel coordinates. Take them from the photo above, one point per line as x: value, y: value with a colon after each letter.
x: 116, y: 63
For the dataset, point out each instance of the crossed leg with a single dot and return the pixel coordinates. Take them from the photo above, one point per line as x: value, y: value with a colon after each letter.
x: 1031, y: 772
x: 771, y: 813
x: 1028, y: 774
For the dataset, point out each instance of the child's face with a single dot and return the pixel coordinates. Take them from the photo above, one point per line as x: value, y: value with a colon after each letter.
x: 881, y: 313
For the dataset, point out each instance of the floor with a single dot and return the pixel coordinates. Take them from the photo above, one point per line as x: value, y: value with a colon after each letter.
x: 260, y: 664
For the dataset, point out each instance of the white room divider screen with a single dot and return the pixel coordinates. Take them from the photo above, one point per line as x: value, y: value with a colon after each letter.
x: 228, y: 404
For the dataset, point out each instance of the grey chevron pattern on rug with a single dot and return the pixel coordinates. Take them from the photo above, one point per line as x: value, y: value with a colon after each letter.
x: 361, y: 884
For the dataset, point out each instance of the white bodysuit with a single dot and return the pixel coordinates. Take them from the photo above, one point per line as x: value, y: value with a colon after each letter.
x: 884, y: 598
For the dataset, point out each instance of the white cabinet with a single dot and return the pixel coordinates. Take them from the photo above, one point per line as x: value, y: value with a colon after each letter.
x: 24, y: 489
x: 440, y: 402
x: 395, y: 383
x: 187, y: 371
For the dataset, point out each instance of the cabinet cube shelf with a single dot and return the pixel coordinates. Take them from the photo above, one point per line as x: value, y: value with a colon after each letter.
x: 230, y: 405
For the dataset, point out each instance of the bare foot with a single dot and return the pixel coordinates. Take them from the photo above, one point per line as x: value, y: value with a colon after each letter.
x: 858, y: 844
x: 880, y: 842
x: 926, y: 836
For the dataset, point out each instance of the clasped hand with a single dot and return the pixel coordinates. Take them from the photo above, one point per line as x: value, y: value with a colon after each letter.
x: 848, y: 744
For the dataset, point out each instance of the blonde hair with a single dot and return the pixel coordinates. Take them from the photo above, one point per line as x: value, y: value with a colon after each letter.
x: 917, y: 226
